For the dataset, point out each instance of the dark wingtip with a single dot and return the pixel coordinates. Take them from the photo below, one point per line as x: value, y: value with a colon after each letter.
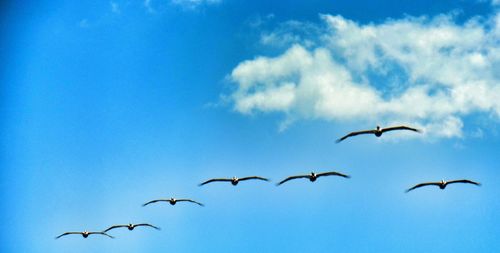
x: 338, y: 141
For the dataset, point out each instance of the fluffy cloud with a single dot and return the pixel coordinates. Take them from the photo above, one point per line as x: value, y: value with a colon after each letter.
x: 430, y: 72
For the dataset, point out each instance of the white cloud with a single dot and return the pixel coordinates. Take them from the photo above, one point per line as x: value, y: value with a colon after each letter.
x: 115, y: 8
x: 192, y: 4
x: 84, y: 23
x: 430, y: 72
x: 151, y: 7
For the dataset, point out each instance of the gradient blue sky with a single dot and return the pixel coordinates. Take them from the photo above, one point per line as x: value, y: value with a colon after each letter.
x: 108, y: 104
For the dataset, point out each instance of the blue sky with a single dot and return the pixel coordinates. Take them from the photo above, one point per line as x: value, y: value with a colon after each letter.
x: 107, y: 105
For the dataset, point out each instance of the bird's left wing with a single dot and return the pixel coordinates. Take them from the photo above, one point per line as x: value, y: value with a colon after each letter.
x: 253, y: 177
x: 190, y: 200
x: 466, y: 181
x: 332, y: 173
x: 101, y: 233
x: 400, y: 128
x: 146, y: 225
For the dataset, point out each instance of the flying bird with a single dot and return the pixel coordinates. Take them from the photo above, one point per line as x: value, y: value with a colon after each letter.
x: 172, y: 201
x: 313, y: 176
x: 131, y: 226
x: 442, y: 184
x: 85, y: 234
x: 233, y: 180
x: 378, y: 131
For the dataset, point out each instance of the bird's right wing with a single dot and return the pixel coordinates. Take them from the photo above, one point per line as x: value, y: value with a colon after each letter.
x: 115, y: 226
x: 354, y: 134
x: 190, y: 200
x: 69, y: 233
x: 216, y: 180
x: 154, y: 201
x: 291, y: 178
x: 421, y: 185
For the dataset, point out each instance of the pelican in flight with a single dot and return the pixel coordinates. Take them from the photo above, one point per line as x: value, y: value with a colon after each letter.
x: 131, y: 226
x: 172, y: 201
x: 233, y: 180
x: 85, y: 234
x: 442, y: 184
x: 313, y: 176
x: 378, y: 131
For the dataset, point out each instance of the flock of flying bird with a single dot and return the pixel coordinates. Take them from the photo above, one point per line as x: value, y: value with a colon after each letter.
x: 312, y: 177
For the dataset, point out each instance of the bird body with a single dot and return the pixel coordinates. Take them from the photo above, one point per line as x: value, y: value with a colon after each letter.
x: 173, y: 201
x: 378, y: 131
x: 234, y: 180
x: 84, y: 234
x: 131, y: 226
x: 313, y: 176
x: 442, y: 184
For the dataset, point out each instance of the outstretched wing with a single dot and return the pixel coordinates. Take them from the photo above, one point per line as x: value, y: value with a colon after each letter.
x: 68, y: 233
x: 115, y: 226
x: 154, y: 201
x: 216, y: 180
x: 423, y: 184
x: 291, y: 178
x: 101, y: 233
x: 332, y: 173
x: 466, y: 181
x: 146, y: 225
x: 253, y: 177
x: 400, y: 128
x: 190, y: 200
x: 355, y: 133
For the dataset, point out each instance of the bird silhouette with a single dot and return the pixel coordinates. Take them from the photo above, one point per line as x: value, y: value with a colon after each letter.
x: 172, y: 201
x: 313, y: 176
x: 378, y: 131
x: 233, y: 180
x: 85, y: 234
x: 442, y: 184
x: 131, y: 226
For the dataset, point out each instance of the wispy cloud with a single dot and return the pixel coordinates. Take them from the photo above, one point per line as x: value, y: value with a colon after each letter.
x: 430, y: 72
x: 185, y: 4
x: 84, y: 23
x: 192, y: 4
x: 115, y: 8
